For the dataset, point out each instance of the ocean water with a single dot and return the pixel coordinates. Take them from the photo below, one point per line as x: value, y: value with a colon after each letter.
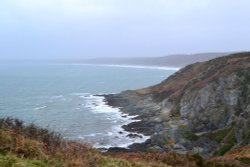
x: 62, y: 98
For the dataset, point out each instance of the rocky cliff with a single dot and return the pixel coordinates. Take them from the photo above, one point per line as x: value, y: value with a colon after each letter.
x: 203, y: 108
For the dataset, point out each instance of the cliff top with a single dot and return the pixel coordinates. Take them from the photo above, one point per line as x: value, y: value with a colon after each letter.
x: 198, y: 75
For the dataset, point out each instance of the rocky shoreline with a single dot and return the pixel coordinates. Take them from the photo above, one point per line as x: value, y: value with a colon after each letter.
x: 203, y: 108
x: 144, y: 110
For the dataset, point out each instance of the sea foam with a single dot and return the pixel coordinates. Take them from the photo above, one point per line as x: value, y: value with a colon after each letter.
x: 116, y: 136
x: 131, y: 66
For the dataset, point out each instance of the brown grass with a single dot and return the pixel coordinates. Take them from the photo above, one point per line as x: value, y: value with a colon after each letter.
x: 40, y: 147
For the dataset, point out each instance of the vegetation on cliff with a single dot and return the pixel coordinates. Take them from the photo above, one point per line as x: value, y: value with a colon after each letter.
x: 31, y: 146
x: 198, y: 75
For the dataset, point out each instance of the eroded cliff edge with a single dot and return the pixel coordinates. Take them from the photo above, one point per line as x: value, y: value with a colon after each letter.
x: 203, y: 108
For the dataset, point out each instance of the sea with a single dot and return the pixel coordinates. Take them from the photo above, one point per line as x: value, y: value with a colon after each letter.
x: 65, y: 98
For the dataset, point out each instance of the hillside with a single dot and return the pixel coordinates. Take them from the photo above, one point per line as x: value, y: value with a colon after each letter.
x: 180, y: 60
x: 203, y: 108
x: 30, y: 146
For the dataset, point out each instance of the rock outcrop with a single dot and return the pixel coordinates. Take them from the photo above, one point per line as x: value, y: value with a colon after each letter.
x: 203, y: 108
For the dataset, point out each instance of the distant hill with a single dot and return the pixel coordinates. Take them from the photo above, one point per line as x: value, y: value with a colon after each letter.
x: 180, y: 60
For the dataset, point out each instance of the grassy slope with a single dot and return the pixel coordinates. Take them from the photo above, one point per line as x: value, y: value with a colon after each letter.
x: 30, y: 146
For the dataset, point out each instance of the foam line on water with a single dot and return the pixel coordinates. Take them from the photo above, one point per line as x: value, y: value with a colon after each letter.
x: 116, y: 136
x: 97, y: 104
x: 131, y: 66
x: 40, y: 108
x: 143, y: 67
x: 119, y: 138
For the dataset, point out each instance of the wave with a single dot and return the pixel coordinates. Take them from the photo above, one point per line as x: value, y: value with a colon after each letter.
x: 97, y: 104
x: 40, y: 108
x: 116, y: 136
x: 80, y: 94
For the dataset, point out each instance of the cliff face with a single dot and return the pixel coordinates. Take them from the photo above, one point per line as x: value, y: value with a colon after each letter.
x: 204, y: 108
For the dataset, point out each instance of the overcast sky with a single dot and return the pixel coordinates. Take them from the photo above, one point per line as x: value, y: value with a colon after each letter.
x: 129, y: 28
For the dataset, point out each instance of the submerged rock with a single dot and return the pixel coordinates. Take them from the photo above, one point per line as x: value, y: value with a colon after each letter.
x: 132, y: 135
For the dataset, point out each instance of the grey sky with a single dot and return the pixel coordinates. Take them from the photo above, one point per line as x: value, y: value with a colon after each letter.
x: 129, y: 28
